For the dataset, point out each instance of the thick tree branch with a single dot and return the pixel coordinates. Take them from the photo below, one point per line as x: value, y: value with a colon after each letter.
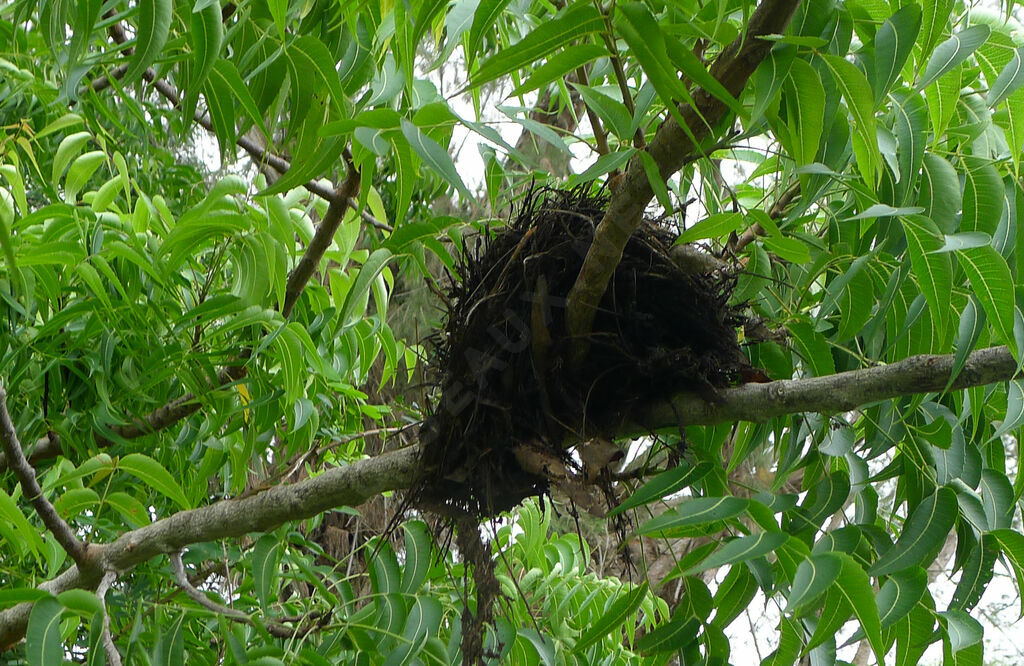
x: 350, y: 485
x: 671, y: 147
x: 356, y: 483
x: 30, y: 486
x: 836, y: 393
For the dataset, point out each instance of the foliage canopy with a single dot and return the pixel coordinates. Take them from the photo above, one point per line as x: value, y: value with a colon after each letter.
x: 174, y: 336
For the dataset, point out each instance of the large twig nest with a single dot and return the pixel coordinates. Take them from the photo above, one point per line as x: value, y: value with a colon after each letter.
x: 509, y: 395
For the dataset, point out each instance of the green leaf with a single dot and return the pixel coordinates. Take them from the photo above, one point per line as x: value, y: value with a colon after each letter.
x: 996, y: 491
x: 740, y: 550
x: 806, y: 104
x: 932, y: 272
x: 679, y: 632
x: 716, y: 225
x: 1009, y: 80
x: 152, y: 28
x: 855, y: 586
x: 647, y: 43
x: 952, y: 52
x: 80, y: 172
x: 813, y: 576
x: 559, y: 64
x: 611, y: 621
x: 154, y: 475
x: 228, y: 78
x: 696, y: 511
x: 436, y: 157
x: 418, y: 555
x: 900, y: 594
x: 983, y: 197
x: 894, y: 42
x: 1012, y: 545
x: 923, y: 534
x: 992, y: 283
x: 279, y: 12
x: 83, y: 602
x: 307, y: 55
x: 962, y: 629
x: 371, y: 268
x: 822, y: 500
x: 964, y: 241
x: 975, y: 575
x: 68, y: 150
x: 207, y: 36
x: 940, y: 192
x: 43, y: 645
x: 814, y: 350
x: 664, y: 484
x: 576, y: 21
x: 266, y: 559
x: 857, y: 93
x: 484, y: 19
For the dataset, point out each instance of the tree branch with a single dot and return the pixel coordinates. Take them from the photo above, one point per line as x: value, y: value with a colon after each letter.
x: 358, y: 482
x: 322, y: 239
x: 670, y: 149
x: 30, y: 486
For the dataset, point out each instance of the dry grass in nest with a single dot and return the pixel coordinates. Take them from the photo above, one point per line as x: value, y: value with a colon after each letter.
x: 509, y: 395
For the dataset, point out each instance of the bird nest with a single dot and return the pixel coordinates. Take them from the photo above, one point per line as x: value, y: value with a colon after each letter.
x: 511, y: 390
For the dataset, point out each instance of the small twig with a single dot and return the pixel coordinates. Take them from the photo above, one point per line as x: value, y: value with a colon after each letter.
x: 30, y: 486
x: 274, y: 628
x: 113, y: 656
x: 777, y: 211
x: 197, y: 596
x: 600, y: 135
x: 322, y: 239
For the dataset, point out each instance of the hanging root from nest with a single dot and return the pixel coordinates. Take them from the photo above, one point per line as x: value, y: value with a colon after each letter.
x: 508, y: 396
x: 477, y: 554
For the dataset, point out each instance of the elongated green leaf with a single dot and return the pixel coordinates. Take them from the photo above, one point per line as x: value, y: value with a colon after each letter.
x: 962, y: 629
x: 664, y: 484
x: 576, y: 21
x: 207, y: 36
x: 152, y: 28
x: 992, y: 283
x: 983, y: 197
x: 307, y: 55
x: 996, y: 490
x: 371, y: 268
x: 813, y: 576
x: 855, y: 586
x: 923, y: 534
x: 266, y: 558
x: 484, y: 19
x: 154, y: 475
x: 612, y: 618
x: 975, y: 575
x: 69, y: 148
x: 696, y: 511
x: 964, y: 241
x: 418, y: 554
x: 899, y: 594
x: 435, y: 157
x: 680, y: 631
x: 225, y: 71
x: 689, y: 64
x: 857, y: 93
x: 1009, y: 80
x: 712, y: 226
x: 894, y: 42
x: 560, y: 64
x: 932, y: 272
x: 647, y: 44
x: 1011, y: 543
x: 740, y: 550
x: 824, y: 499
x: 43, y: 644
x: 806, y: 104
x: 952, y: 52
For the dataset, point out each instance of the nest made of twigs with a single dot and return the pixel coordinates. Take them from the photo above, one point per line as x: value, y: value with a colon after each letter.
x: 509, y: 395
